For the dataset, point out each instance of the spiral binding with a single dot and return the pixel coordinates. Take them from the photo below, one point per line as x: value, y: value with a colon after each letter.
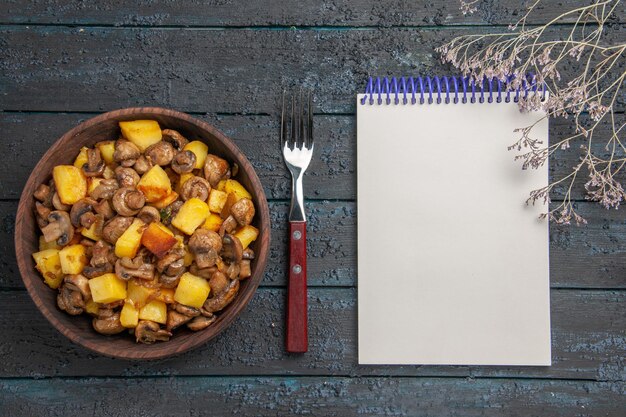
x: 440, y: 89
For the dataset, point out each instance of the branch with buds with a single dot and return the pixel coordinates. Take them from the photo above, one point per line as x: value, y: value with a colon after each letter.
x: 587, y: 97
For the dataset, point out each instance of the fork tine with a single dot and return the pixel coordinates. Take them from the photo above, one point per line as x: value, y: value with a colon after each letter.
x: 294, y: 121
x: 309, y: 137
x: 283, y: 131
x: 301, y: 120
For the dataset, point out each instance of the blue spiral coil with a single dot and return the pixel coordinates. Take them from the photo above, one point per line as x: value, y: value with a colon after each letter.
x: 446, y: 90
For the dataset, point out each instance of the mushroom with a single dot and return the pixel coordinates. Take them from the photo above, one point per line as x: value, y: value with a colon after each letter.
x: 248, y: 253
x: 42, y: 214
x: 43, y: 193
x: 126, y: 153
x: 149, y: 332
x: 243, y: 211
x: 127, y: 201
x: 186, y: 310
x: 114, y: 228
x: 195, y: 187
x: 95, y: 271
x: 56, y: 202
x: 101, y: 253
x: 232, y: 249
x: 104, y: 208
x: 202, y: 272
x: 169, y: 212
x: 126, y: 177
x: 59, y: 228
x: 102, y: 259
x: 184, y: 162
x: 95, y: 164
x: 218, y: 283
x: 70, y: 301
x: 78, y: 283
x: 81, y: 213
x: 233, y: 271
x: 107, y: 322
x: 245, y: 271
x: 177, y: 140
x: 175, y: 319
x: 171, y: 281
x: 73, y: 294
x: 211, y: 305
x: 205, y: 245
x: 143, y: 165
x: 215, y: 169
x: 228, y: 225
x: 138, y: 267
x: 105, y: 189
x: 201, y: 323
x: 149, y: 214
x: 161, y: 153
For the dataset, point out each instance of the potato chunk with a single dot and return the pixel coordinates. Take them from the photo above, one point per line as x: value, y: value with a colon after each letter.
x: 235, y: 187
x: 128, y: 244
x: 213, y: 222
x: 129, y: 316
x: 81, y: 159
x: 70, y: 183
x: 155, y: 184
x: 217, y: 199
x: 191, y: 215
x: 107, y: 149
x: 138, y: 294
x: 43, y: 245
x: 142, y: 133
x: 92, y: 307
x: 247, y: 235
x: 73, y: 259
x: 107, y: 288
x: 154, y: 311
x: 158, y: 239
x: 200, y: 150
x: 165, y: 201
x: 192, y: 291
x: 48, y: 264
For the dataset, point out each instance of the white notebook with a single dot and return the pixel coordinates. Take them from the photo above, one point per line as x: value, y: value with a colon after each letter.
x: 452, y: 264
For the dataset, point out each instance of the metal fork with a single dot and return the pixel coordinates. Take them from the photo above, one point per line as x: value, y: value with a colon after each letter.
x: 297, y: 147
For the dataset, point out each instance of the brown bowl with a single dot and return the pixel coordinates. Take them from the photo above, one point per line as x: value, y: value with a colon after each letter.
x: 105, y: 127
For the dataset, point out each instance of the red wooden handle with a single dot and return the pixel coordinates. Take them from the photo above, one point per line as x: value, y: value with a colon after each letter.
x: 297, y: 334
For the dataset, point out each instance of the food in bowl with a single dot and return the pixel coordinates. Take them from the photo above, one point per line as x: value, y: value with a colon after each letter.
x: 146, y: 233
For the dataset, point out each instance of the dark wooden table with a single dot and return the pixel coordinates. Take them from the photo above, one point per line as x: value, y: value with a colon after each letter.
x: 226, y: 62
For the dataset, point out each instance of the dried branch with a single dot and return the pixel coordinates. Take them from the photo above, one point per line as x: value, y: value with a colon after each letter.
x: 588, y: 97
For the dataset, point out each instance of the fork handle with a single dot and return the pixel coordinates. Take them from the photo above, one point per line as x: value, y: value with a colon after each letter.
x: 297, y: 332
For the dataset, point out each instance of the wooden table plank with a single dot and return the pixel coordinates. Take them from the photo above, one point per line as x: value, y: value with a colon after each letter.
x: 228, y: 71
x: 267, y: 12
x: 332, y: 175
x: 590, y: 256
x: 588, y: 341
x: 311, y: 396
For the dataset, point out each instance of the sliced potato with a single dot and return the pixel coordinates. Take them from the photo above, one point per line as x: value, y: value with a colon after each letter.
x: 155, y: 184
x: 158, y: 239
x: 107, y: 288
x: 48, y: 264
x: 192, y: 290
x: 128, y: 244
x: 70, y: 183
x: 155, y: 311
x: 191, y: 215
x: 247, y: 235
x: 142, y: 133
x: 73, y: 259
